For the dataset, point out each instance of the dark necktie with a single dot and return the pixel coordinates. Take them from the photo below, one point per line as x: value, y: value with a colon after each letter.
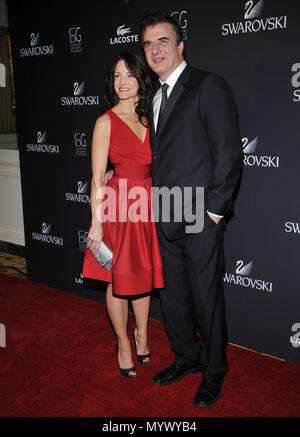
x: 164, y: 98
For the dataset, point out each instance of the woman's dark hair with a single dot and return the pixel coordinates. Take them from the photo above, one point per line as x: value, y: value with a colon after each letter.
x: 140, y: 70
x: 157, y: 18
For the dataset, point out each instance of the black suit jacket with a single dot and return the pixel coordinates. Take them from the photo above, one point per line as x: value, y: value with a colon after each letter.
x: 198, y: 143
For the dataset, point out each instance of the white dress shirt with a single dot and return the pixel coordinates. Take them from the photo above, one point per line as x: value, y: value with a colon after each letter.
x: 171, y: 81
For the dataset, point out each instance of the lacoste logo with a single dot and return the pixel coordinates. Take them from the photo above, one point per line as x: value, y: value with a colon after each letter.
x: 121, y: 31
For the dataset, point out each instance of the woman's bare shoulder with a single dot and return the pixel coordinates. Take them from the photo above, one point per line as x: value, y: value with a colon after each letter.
x: 103, y: 122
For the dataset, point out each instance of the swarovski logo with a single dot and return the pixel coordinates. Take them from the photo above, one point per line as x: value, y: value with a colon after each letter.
x: 78, y: 89
x: 82, y: 188
x: 35, y: 49
x: 253, y: 11
x: 34, y: 39
x: 41, y: 146
x: 295, y: 339
x: 242, y: 269
x: 252, y: 159
x: 123, y: 37
x: 46, y: 237
x: 80, y: 196
x: 41, y: 138
x: 292, y: 227
x: 241, y: 278
x: 78, y: 99
x: 46, y: 228
x: 249, y: 147
x: 252, y: 23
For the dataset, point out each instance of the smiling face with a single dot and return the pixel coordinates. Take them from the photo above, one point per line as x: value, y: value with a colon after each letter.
x: 125, y: 84
x: 162, y: 52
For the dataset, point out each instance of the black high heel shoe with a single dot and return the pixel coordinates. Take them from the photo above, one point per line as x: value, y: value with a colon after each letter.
x: 142, y: 358
x: 126, y: 372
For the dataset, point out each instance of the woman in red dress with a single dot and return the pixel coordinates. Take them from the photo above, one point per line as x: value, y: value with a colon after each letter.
x: 124, y: 222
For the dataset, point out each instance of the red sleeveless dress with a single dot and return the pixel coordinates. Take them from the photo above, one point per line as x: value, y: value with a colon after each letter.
x: 137, y: 265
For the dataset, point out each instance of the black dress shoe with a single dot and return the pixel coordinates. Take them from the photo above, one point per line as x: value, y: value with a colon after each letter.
x: 208, y: 392
x: 173, y: 373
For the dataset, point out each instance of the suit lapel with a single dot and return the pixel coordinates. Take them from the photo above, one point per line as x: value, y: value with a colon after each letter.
x: 174, y: 96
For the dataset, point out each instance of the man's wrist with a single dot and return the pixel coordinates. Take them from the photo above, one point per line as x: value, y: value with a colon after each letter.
x: 215, y: 217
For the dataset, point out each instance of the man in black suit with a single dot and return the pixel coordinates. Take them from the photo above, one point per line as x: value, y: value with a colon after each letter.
x: 195, y: 142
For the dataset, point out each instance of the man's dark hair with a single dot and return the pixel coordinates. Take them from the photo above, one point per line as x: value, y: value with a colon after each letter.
x: 157, y: 18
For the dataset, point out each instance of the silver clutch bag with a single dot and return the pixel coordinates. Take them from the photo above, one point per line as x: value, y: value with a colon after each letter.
x: 104, y: 256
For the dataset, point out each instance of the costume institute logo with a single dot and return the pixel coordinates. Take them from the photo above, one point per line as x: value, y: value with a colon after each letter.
x: 181, y: 18
x: 35, y: 48
x: 41, y: 146
x: 242, y: 278
x: 45, y: 236
x: 80, y: 144
x: 296, y: 81
x: 81, y: 247
x: 75, y: 39
x: 123, y: 36
x: 82, y: 240
x: 80, y: 196
x: 253, y: 10
x: 78, y: 99
x: 252, y: 159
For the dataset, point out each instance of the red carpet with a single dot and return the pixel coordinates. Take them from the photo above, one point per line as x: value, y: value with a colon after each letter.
x: 60, y: 361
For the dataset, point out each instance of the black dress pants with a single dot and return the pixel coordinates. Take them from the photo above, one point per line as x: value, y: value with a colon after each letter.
x: 193, y: 301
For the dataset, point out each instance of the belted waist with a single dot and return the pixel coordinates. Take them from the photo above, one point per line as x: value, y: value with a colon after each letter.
x: 132, y: 171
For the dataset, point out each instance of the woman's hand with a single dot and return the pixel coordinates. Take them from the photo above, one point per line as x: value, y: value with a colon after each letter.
x: 94, y: 237
x: 108, y: 175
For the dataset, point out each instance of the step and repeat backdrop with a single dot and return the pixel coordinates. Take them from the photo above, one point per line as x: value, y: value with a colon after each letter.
x: 61, y: 52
